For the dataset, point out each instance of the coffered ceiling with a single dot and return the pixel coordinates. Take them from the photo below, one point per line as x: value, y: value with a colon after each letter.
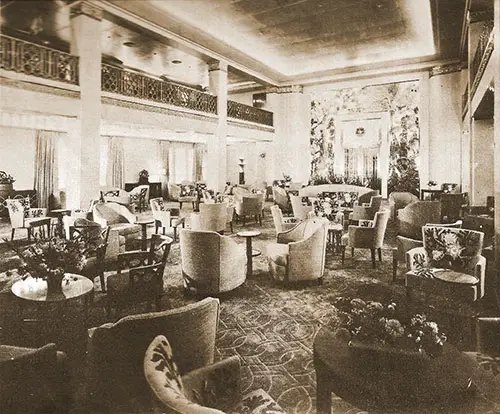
x: 268, y: 41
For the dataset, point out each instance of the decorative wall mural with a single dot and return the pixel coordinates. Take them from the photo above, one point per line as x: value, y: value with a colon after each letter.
x: 400, y: 100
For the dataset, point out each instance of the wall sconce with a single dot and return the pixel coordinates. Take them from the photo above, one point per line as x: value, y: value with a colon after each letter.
x: 360, y: 131
x: 262, y: 155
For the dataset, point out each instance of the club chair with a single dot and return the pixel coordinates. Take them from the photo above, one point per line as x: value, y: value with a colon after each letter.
x: 249, y: 206
x: 366, y: 211
x: 369, y: 234
x: 399, y: 200
x: 300, y: 210
x: 281, y: 223
x: 212, y: 217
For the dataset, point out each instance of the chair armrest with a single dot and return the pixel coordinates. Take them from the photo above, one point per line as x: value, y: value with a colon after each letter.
x: 416, y: 258
x: 478, y: 266
x: 195, y: 221
x: 215, y: 385
x: 291, y: 235
x: 360, y: 236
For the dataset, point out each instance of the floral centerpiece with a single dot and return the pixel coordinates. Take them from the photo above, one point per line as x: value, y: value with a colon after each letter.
x: 50, y: 258
x: 6, y: 178
x: 382, y: 324
x: 431, y: 183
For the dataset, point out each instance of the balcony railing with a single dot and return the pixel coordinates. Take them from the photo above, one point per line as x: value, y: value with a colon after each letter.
x: 482, y: 55
x: 249, y: 113
x: 32, y: 59
x: 136, y: 85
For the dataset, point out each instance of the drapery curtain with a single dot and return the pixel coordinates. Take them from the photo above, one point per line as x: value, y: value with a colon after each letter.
x: 164, y: 156
x: 46, y: 171
x: 116, y: 163
x: 199, y: 152
x: 181, y: 164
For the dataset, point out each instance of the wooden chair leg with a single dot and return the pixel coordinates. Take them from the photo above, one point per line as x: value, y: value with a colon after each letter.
x: 352, y: 251
x: 379, y: 251
x: 394, y: 264
x: 180, y: 205
x: 343, y: 255
x: 29, y: 233
x: 374, y: 263
x: 14, y: 230
x: 103, y: 282
x: 231, y: 226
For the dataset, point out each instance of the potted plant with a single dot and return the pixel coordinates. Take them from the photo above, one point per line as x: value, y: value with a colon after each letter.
x: 6, y: 181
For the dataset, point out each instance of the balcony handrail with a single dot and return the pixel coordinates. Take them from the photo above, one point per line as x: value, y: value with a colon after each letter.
x: 37, y: 60
x: 149, y: 87
x: 249, y: 113
x: 483, y: 52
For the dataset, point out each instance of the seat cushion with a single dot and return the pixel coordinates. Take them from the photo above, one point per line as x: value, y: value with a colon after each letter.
x: 278, y: 253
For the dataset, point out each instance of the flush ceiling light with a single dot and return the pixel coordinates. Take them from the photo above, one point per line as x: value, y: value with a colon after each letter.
x: 176, y: 61
x: 129, y: 44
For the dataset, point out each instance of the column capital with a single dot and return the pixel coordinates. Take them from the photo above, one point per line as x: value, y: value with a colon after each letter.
x: 86, y: 8
x: 217, y: 65
x: 285, y: 89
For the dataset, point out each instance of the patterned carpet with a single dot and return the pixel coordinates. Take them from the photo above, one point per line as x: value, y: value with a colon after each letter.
x: 272, y: 328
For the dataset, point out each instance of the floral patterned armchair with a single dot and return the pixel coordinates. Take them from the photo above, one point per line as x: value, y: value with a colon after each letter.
x: 447, y: 248
x: 206, y: 390
x: 23, y: 217
x: 329, y: 203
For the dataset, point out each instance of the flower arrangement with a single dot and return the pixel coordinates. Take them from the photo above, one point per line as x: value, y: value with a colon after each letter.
x: 6, y: 178
x: 377, y: 323
x: 143, y: 176
x: 50, y: 258
x: 431, y: 183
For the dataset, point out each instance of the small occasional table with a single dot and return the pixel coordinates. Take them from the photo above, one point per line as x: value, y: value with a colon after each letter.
x: 450, y: 276
x: 249, y: 234
x: 144, y: 236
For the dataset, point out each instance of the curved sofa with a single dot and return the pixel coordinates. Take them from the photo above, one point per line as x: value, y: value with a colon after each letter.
x: 314, y: 190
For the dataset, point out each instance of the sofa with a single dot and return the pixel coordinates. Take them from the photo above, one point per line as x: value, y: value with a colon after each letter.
x: 120, y: 220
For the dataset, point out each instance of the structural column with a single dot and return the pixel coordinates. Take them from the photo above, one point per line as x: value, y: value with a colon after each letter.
x: 292, y: 151
x: 496, y: 156
x: 84, y: 142
x: 216, y: 146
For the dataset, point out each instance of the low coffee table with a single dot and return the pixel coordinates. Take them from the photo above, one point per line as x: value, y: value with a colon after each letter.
x: 250, y: 252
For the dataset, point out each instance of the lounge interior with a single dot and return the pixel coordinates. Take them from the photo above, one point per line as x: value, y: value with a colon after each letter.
x: 245, y: 206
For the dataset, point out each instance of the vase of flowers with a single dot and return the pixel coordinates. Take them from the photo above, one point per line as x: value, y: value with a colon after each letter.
x: 381, y: 334
x: 50, y: 258
x: 143, y: 177
x: 6, y: 181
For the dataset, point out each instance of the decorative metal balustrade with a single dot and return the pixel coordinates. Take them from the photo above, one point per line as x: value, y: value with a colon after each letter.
x: 136, y: 85
x: 483, y: 52
x: 249, y: 113
x: 32, y: 59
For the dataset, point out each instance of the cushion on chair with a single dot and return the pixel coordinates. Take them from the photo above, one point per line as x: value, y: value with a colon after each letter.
x: 450, y: 248
x: 126, y: 229
x: 187, y: 190
x: 278, y: 253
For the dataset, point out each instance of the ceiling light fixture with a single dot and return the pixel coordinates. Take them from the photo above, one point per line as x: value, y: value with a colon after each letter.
x: 129, y: 44
x: 176, y: 61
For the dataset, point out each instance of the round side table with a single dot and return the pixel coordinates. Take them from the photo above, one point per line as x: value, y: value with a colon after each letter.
x: 249, y: 234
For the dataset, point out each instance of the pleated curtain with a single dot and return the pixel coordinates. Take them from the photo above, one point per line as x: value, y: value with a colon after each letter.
x: 199, y: 152
x: 116, y: 163
x: 46, y: 171
x: 164, y: 157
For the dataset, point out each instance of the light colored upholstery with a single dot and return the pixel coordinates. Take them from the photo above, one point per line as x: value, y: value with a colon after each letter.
x: 300, y: 210
x: 415, y: 215
x: 447, y: 248
x: 281, y: 223
x: 367, y: 235
x: 366, y: 211
x: 219, y: 383
x: 115, y: 379
x: 249, y: 206
x: 120, y: 219
x: 239, y: 192
x: 212, y: 217
x: 399, y: 200
x: 22, y: 216
x: 185, y: 192
x: 280, y: 198
x: 299, y: 253
x: 211, y: 263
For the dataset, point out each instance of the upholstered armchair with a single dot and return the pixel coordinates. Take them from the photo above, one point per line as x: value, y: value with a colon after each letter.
x: 281, y: 223
x: 115, y: 195
x: 300, y: 210
x: 411, y: 218
x: 165, y: 216
x: 366, y: 211
x: 369, y: 234
x: 251, y: 205
x: 453, y: 206
x: 119, y: 218
x: 280, y: 198
x: 114, y: 378
x: 22, y: 216
x: 299, y: 253
x: 399, y: 200
x: 185, y: 192
x: 211, y: 263
x: 447, y: 248
x: 34, y: 380
x: 404, y: 244
x: 212, y: 217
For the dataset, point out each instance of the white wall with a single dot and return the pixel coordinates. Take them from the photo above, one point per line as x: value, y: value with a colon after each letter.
x: 445, y: 132
x: 243, y: 98
x: 482, y: 161
x: 17, y: 155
